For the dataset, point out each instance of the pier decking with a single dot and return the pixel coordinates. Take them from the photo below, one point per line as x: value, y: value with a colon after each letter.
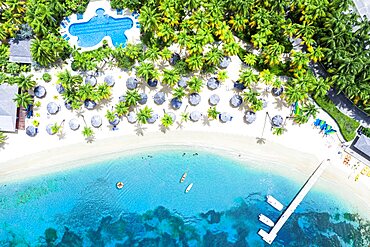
x: 270, y: 237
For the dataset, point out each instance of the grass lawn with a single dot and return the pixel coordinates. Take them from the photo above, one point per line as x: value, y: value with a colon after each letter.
x: 347, y: 125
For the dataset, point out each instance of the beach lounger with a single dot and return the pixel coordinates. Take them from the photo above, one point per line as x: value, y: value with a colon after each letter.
x: 64, y: 36
x: 119, y: 12
x: 137, y: 16
x: 317, y: 122
x: 67, y: 19
x: 63, y: 25
x: 80, y: 16
x: 68, y: 38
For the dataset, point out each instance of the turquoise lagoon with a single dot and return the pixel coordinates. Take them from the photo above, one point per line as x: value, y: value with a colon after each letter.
x: 82, y: 207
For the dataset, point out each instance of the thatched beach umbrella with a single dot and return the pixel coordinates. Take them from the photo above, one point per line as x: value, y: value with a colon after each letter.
x: 131, y: 83
x: 183, y: 82
x: 143, y: 98
x: 131, y: 117
x: 68, y: 105
x: 31, y: 131
x: 225, y: 62
x: 152, y: 82
x: 89, y: 104
x: 175, y: 57
x: 90, y: 80
x: 250, y: 117
x: 172, y: 115
x: 159, y: 98
x: 214, y: 99
x: 194, y: 99
x: 277, y: 121
x: 213, y: 83
x: 60, y: 88
x: 195, y: 116
x: 49, y: 130
x: 74, y: 124
x: 225, y: 117
x: 122, y: 98
x: 39, y: 91
x: 236, y: 100
x: 277, y: 91
x: 96, y: 121
x: 52, y: 108
x: 153, y: 118
x: 176, y: 103
x: 109, y: 79
x: 240, y: 86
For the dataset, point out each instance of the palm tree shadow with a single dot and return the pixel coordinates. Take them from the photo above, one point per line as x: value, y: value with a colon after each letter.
x: 80, y: 112
x: 162, y: 65
x: 2, y: 145
x: 166, y: 89
x: 280, y: 103
x: 162, y: 128
x: 140, y: 129
x: 261, y: 140
x: 180, y: 125
x: 61, y: 135
x: 90, y: 139
x: 206, y: 121
x: 265, y: 93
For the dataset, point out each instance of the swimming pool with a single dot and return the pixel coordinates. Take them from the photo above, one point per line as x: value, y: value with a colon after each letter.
x: 92, y: 32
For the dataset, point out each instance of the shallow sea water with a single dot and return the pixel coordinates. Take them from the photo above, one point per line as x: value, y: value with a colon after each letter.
x: 82, y: 207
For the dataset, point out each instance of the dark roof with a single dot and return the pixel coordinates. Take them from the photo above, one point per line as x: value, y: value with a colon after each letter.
x: 20, y: 51
x: 8, y: 108
x: 361, y: 145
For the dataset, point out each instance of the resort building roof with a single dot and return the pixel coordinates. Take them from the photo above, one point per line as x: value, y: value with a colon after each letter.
x: 363, y: 7
x: 20, y: 51
x: 8, y: 108
x: 360, y: 148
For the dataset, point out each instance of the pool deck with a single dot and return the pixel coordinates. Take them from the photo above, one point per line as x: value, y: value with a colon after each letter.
x: 133, y: 35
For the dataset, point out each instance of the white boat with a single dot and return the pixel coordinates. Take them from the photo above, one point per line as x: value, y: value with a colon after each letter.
x: 183, y: 177
x: 275, y: 203
x: 189, y: 188
x: 265, y: 220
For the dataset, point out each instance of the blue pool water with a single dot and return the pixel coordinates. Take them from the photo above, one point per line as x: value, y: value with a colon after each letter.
x: 92, y: 32
x: 82, y: 207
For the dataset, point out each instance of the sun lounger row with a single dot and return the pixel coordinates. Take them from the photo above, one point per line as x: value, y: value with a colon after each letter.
x: 324, y: 127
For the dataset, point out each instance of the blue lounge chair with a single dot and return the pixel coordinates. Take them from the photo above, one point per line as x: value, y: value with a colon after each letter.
x: 68, y: 38
x: 80, y: 16
x: 68, y: 20
x: 331, y: 131
x: 64, y: 36
x: 317, y: 122
x: 63, y: 25
x: 138, y: 25
x: 119, y: 12
x: 137, y: 16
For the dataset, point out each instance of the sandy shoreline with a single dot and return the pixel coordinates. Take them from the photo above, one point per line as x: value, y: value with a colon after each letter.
x: 238, y: 147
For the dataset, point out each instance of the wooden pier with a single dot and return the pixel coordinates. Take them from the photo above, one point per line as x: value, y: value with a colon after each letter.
x: 270, y: 237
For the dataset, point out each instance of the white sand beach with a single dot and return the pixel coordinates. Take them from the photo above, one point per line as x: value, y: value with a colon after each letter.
x: 301, y: 148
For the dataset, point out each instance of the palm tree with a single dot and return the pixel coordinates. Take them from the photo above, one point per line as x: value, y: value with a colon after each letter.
x: 213, y: 56
x: 266, y: 76
x: 279, y: 131
x: 149, y: 18
x: 25, y: 82
x: 231, y: 48
x: 170, y: 77
x: 179, y: 93
x: 88, y: 133
x: 213, y: 113
x: 23, y: 99
x: 309, y: 110
x: 145, y: 70
x: 195, y: 62
x: 165, y: 31
x: 195, y: 84
x: 316, y: 54
x: 121, y: 109
x: 104, y: 91
x: 247, y: 77
x: 3, y: 138
x: 250, y: 59
x: 144, y: 114
x: 132, y: 97
x: 222, y: 75
x: 110, y: 115
x: 294, y: 93
x: 299, y: 59
x: 86, y: 91
x: 300, y: 119
x: 166, y: 54
x: 56, y: 128
x: 319, y: 87
x: 42, y: 52
x: 185, y: 116
x: 166, y: 120
x: 152, y: 53
x: 238, y: 22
